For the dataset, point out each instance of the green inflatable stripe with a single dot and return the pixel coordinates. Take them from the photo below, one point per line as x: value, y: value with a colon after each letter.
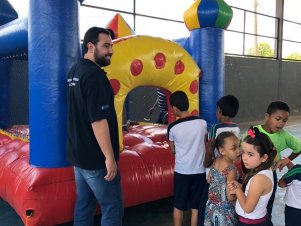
x: 224, y: 16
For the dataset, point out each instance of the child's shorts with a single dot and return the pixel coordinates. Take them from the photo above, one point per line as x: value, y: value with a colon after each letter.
x: 188, y: 190
x: 292, y: 216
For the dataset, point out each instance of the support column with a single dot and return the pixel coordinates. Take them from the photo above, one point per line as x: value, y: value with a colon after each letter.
x: 207, y: 45
x: 53, y: 47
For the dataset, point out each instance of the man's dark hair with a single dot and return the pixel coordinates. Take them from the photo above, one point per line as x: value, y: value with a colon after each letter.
x: 228, y: 105
x: 112, y: 34
x: 92, y: 36
x: 179, y: 100
x: 277, y: 105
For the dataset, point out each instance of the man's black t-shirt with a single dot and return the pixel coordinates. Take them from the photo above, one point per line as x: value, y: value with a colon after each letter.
x: 90, y: 99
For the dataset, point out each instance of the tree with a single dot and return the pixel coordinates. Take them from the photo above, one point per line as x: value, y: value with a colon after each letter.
x: 294, y: 56
x: 263, y: 49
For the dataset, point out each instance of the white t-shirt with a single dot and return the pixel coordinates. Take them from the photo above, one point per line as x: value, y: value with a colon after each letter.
x: 292, y: 178
x: 261, y: 208
x: 188, y: 135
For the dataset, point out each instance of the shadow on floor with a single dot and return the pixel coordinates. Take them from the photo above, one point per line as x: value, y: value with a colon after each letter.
x: 158, y: 213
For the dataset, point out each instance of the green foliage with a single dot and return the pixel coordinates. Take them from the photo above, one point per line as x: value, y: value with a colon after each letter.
x: 263, y: 49
x: 294, y: 56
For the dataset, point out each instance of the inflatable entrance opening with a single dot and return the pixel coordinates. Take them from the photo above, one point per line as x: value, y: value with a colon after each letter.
x: 151, y: 61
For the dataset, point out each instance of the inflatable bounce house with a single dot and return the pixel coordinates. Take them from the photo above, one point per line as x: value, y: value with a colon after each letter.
x: 35, y: 177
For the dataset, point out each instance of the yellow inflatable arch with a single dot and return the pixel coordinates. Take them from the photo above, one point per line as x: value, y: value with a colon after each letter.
x: 151, y: 61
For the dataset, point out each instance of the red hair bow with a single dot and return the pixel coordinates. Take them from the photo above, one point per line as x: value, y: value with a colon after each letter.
x: 251, y: 133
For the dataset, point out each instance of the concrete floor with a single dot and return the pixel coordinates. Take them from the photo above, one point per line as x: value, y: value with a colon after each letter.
x: 159, y: 213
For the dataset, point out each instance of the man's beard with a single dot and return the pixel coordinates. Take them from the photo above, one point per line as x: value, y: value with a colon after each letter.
x: 101, y: 60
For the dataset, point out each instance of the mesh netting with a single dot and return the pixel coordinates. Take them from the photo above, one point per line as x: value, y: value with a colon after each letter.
x: 15, y: 90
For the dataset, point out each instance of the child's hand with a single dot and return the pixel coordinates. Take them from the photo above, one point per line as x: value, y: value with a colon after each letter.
x: 232, y: 192
x: 282, y: 163
x: 233, y: 186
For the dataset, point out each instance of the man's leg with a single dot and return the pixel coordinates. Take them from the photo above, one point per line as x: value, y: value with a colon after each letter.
x: 177, y: 217
x: 85, y: 200
x: 109, y: 196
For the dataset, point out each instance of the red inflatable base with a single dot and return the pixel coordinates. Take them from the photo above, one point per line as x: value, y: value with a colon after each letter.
x: 146, y: 167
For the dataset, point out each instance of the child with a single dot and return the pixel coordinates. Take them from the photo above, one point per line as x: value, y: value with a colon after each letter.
x: 275, y: 119
x: 258, y: 154
x: 220, y: 205
x: 187, y: 141
x: 227, y: 108
x: 161, y: 102
x: 292, y: 198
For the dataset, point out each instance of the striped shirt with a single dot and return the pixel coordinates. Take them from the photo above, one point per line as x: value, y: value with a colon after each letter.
x: 216, y: 129
x: 162, y: 102
x: 292, y: 178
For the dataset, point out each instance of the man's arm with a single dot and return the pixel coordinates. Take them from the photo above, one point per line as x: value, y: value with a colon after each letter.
x: 102, y: 134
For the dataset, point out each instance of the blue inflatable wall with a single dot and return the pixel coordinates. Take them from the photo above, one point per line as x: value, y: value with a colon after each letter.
x: 7, y: 12
x: 13, y: 37
x: 53, y: 47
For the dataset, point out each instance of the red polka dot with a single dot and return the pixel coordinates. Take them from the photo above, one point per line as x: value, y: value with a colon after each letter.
x: 195, y: 112
x: 179, y: 67
x: 115, y: 85
x: 160, y: 60
x: 194, y: 86
x: 136, y: 67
